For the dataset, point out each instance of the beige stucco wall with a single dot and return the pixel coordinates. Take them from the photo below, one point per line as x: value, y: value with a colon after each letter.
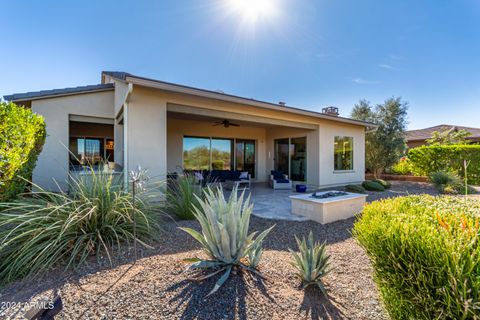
x: 52, y: 164
x: 328, y: 176
x: 146, y: 118
x: 177, y: 129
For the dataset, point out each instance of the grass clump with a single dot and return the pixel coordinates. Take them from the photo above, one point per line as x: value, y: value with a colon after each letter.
x: 224, y: 235
x: 311, y: 262
x: 357, y: 188
x: 449, y: 183
x: 44, y: 229
x: 182, y: 196
x: 373, y: 186
x: 426, y: 255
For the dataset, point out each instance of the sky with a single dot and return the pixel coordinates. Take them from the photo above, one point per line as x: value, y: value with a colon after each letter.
x: 309, y: 54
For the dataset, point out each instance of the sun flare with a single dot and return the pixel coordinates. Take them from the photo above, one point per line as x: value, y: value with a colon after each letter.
x: 253, y: 9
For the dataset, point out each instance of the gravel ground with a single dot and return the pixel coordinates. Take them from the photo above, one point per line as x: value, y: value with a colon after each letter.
x: 157, y: 287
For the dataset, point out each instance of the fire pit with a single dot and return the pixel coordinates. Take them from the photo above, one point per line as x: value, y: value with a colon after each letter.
x: 327, y: 206
x: 329, y: 194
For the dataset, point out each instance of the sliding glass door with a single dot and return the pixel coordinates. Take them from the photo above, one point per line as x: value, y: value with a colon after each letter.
x: 281, y: 157
x: 298, y: 158
x: 245, y: 156
x: 290, y: 157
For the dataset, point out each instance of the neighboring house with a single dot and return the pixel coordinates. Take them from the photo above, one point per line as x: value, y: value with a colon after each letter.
x: 416, y: 138
x: 164, y: 127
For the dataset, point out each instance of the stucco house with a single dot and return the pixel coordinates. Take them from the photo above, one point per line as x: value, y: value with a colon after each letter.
x: 165, y: 127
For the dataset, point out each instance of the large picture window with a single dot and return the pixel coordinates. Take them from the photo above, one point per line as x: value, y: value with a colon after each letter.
x: 219, y: 154
x: 343, y: 153
x: 196, y: 153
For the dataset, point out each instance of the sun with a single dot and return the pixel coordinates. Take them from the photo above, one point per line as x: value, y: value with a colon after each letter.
x: 253, y: 9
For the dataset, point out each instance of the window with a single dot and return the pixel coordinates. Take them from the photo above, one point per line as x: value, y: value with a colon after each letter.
x: 90, y: 144
x: 218, y: 154
x: 196, y: 153
x: 343, y: 153
x: 222, y: 154
x: 87, y: 151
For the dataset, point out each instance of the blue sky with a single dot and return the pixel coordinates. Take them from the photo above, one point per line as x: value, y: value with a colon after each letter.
x: 309, y: 54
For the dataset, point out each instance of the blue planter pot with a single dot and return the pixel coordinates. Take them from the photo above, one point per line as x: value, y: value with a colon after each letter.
x: 301, y: 188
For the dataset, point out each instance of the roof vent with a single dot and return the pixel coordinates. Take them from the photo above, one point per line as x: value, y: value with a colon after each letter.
x: 283, y: 104
x: 331, y: 111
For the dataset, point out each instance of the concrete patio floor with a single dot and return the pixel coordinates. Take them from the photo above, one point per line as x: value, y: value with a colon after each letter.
x: 276, y: 204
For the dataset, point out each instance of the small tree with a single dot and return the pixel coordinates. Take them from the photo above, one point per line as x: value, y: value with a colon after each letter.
x: 384, y: 146
x: 449, y: 136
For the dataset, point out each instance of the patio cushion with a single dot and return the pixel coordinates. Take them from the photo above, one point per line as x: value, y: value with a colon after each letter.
x: 225, y: 175
x: 235, y: 175
x: 244, y: 175
x: 282, y: 181
x: 277, y: 174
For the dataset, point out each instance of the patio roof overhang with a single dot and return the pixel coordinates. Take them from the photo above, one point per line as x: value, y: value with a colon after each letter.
x: 207, y: 114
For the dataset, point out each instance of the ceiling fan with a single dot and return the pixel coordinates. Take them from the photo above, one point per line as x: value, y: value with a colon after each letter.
x: 226, y: 124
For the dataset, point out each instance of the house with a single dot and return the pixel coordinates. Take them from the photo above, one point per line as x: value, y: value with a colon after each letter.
x: 417, y: 138
x: 165, y: 127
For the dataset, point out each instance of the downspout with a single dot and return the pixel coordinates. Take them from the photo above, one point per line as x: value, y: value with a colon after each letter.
x: 125, y: 135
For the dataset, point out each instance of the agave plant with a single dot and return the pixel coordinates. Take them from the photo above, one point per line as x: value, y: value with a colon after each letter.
x: 311, y: 262
x: 224, y: 235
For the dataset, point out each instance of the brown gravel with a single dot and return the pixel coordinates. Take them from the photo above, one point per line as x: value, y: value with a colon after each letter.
x: 157, y: 287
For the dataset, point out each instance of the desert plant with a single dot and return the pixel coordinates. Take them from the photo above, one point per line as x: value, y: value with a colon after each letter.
x: 355, y: 188
x: 224, y: 235
x: 43, y: 229
x: 182, y: 196
x: 22, y: 134
x: 402, y: 167
x: 372, y: 186
x: 442, y: 179
x: 425, y: 253
x: 384, y: 183
x: 311, y: 262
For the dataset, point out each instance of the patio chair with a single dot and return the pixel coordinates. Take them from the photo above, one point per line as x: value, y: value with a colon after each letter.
x: 279, y: 181
x: 241, y: 180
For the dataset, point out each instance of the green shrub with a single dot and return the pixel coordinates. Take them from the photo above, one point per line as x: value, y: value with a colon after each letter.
x: 428, y: 159
x: 44, y: 229
x: 22, y: 135
x: 402, y: 167
x: 355, y: 188
x: 384, y: 183
x: 442, y: 179
x: 372, y: 186
x: 311, y: 262
x: 182, y: 196
x: 224, y: 235
x: 426, y: 255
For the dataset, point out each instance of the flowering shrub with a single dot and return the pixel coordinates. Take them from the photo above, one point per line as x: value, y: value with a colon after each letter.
x: 426, y: 255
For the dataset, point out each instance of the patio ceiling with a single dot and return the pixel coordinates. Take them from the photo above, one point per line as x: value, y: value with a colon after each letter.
x: 183, y: 112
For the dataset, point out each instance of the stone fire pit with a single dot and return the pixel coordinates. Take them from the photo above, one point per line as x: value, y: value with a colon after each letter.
x: 328, y: 206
